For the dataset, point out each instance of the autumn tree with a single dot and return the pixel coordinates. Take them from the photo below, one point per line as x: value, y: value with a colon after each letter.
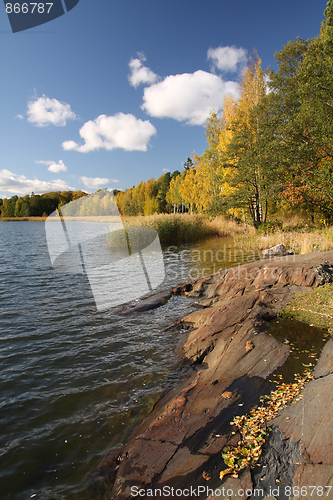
x: 251, y: 176
x: 300, y: 116
x: 173, y: 196
x: 188, y: 188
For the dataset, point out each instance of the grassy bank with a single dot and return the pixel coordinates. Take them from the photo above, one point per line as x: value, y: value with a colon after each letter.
x: 314, y: 308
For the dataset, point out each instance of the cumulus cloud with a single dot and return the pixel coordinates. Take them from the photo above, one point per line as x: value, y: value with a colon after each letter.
x: 111, y: 132
x: 139, y: 73
x: 96, y: 182
x: 228, y: 58
x: 54, y: 167
x: 20, y: 117
x: 187, y: 97
x: 45, y: 111
x: 20, y: 184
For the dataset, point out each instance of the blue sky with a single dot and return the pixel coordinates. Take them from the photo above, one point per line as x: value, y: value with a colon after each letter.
x: 115, y: 92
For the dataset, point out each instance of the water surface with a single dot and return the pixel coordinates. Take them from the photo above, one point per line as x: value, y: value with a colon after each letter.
x: 75, y: 382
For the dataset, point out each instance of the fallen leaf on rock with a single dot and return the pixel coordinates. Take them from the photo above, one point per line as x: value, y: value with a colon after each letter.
x: 249, y: 346
x: 206, y: 476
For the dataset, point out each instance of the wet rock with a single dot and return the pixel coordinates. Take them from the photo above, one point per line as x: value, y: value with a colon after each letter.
x: 277, y: 462
x: 145, y: 304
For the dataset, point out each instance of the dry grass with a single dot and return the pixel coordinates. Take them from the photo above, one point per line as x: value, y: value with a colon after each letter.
x: 181, y: 228
x: 295, y: 222
x: 226, y: 227
x: 299, y: 242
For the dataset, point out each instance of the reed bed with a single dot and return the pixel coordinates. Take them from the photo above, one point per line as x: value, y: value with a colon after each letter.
x: 186, y: 228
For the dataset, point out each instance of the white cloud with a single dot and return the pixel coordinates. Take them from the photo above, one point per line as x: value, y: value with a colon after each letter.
x: 19, y: 184
x: 111, y: 132
x: 139, y: 73
x: 45, y: 111
x: 95, y: 182
x: 187, y: 97
x: 228, y: 58
x: 165, y: 170
x: 54, y: 167
x: 20, y: 117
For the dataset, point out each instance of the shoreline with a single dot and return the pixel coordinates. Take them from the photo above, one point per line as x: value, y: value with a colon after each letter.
x: 23, y: 219
x: 179, y: 444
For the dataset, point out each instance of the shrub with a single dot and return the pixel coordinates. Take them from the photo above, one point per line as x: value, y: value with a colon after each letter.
x: 270, y: 227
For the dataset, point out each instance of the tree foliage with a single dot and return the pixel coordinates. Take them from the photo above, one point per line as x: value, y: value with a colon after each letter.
x: 37, y: 205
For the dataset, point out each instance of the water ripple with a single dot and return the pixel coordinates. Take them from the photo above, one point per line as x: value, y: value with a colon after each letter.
x: 73, y: 382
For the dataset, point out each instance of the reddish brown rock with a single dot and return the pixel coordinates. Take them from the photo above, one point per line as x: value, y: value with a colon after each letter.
x: 183, y: 437
x: 319, y: 476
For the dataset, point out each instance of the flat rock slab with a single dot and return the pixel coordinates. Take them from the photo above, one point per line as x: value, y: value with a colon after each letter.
x: 180, y: 443
x: 319, y: 476
x: 325, y: 364
x: 309, y: 421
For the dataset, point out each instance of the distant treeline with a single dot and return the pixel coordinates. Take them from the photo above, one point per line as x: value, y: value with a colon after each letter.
x: 36, y: 205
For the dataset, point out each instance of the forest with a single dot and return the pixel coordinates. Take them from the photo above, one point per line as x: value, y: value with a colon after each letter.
x: 36, y: 205
x: 269, y: 152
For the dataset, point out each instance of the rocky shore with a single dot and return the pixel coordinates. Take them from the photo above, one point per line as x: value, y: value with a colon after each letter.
x: 178, y: 446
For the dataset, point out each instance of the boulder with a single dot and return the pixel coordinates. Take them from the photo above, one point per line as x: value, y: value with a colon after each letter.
x: 277, y: 251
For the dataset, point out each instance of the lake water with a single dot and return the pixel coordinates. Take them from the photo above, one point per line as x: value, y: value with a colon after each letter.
x: 74, y: 382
